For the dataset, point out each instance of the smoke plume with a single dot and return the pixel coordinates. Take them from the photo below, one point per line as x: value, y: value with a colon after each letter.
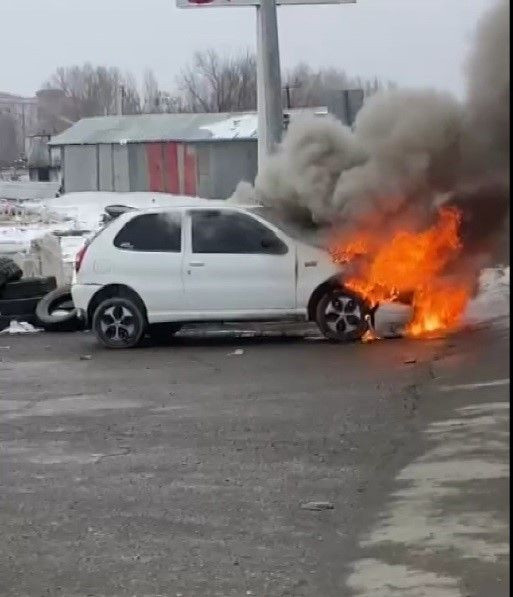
x: 487, y: 106
x: 408, y: 150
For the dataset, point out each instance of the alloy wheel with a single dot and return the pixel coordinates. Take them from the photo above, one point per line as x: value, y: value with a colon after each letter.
x: 117, y: 323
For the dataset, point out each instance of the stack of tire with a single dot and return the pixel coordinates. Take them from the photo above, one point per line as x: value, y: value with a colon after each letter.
x: 37, y: 301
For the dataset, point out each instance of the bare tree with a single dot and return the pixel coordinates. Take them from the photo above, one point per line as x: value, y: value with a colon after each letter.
x: 131, y: 100
x: 213, y: 83
x: 307, y: 87
x: 172, y: 103
x: 94, y: 91
x: 157, y: 101
x: 210, y: 83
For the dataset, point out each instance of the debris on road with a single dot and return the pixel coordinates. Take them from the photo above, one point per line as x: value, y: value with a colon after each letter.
x: 410, y: 361
x: 20, y: 327
x: 237, y: 352
x: 85, y: 357
x: 317, y: 506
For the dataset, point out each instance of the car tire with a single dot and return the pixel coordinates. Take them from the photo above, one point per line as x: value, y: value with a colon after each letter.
x: 66, y: 320
x: 119, y: 322
x: 9, y: 271
x: 28, y: 288
x: 163, y: 332
x: 342, y: 316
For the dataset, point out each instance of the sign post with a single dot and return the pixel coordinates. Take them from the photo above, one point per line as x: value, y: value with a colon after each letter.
x: 269, y: 102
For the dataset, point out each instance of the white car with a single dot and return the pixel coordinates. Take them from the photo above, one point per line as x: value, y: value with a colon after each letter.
x: 151, y: 271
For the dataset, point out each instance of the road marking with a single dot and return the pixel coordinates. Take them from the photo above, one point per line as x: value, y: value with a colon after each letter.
x: 475, y: 386
x: 435, y: 518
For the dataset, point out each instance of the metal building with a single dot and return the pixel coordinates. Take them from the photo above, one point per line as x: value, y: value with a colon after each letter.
x: 189, y: 154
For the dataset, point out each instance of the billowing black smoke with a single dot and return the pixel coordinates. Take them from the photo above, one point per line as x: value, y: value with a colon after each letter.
x: 409, y: 151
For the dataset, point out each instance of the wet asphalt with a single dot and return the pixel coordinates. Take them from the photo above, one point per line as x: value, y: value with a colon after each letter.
x: 181, y: 470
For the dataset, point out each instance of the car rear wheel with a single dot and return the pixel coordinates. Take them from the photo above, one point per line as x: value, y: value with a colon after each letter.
x: 342, y: 316
x: 119, y: 323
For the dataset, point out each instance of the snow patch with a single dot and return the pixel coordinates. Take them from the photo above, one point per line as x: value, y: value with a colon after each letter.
x: 13, y: 239
x: 492, y: 302
x: 243, y: 126
x: 83, y: 211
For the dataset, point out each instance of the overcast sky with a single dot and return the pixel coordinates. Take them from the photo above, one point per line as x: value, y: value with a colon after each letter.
x: 421, y: 43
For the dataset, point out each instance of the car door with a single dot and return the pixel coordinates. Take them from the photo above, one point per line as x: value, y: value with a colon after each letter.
x: 235, y: 262
x: 150, y: 261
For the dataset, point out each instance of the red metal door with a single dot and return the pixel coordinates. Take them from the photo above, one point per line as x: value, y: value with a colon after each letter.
x: 171, y: 168
x: 155, y: 170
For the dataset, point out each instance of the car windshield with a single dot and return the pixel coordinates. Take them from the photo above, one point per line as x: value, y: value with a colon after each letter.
x: 293, y: 229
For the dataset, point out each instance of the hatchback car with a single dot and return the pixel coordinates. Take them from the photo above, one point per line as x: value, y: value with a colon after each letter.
x: 152, y: 271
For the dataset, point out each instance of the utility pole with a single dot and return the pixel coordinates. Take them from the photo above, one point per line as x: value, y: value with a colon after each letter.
x: 287, y: 91
x: 269, y: 104
x: 23, y: 127
x: 120, y: 97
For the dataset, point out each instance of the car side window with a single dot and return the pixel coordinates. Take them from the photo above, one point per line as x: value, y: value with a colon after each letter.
x: 161, y: 232
x: 217, y: 231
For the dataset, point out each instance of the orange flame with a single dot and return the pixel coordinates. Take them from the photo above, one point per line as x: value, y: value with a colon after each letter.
x: 413, y: 264
x: 356, y: 247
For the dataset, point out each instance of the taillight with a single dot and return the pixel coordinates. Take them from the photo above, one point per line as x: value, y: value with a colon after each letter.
x: 80, y: 257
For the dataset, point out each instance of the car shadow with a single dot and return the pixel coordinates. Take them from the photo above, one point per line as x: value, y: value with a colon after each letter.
x: 233, y: 339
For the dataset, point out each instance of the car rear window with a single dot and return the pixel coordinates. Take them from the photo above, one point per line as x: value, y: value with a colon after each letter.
x: 160, y: 232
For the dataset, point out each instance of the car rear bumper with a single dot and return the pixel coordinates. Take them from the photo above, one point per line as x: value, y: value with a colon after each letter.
x: 82, y: 295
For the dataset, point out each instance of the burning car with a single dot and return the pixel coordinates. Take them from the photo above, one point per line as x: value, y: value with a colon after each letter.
x: 154, y: 270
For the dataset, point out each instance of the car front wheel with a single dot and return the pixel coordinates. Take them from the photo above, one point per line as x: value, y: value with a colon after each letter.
x: 342, y: 316
x: 119, y: 323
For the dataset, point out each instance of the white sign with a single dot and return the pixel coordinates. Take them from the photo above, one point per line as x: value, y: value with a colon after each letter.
x: 214, y: 3
x: 217, y: 3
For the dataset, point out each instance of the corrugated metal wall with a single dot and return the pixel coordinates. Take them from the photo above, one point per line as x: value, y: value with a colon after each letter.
x: 113, y: 168
x: 208, y: 169
x: 80, y: 168
x: 120, y: 167
x: 138, y: 167
x: 190, y: 174
x: 222, y: 165
x: 106, y: 180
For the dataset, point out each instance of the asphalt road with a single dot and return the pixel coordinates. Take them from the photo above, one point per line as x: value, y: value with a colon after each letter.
x: 181, y: 470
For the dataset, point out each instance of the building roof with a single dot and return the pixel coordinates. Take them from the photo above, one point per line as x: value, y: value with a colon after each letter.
x: 16, y: 99
x: 163, y: 127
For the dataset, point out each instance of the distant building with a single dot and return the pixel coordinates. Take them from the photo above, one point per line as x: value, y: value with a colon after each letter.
x: 190, y: 154
x: 44, y: 162
x: 29, y: 121
x: 18, y: 119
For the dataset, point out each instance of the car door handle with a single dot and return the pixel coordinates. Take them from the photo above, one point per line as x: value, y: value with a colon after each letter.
x: 196, y: 264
